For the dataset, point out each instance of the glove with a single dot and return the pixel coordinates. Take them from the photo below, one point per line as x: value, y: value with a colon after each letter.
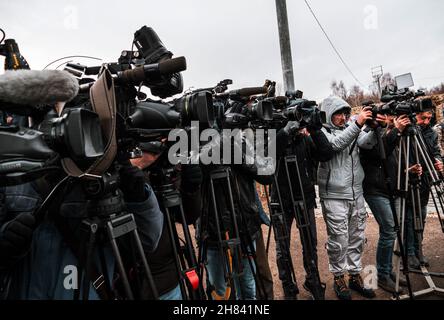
x: 291, y: 127
x: 191, y: 177
x: 315, y: 122
x: 132, y: 184
x: 237, y: 107
x: 17, y: 236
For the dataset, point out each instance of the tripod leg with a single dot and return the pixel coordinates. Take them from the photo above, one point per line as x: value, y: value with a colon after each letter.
x: 172, y: 235
x: 119, y: 261
x: 146, y: 267
x: 303, y: 223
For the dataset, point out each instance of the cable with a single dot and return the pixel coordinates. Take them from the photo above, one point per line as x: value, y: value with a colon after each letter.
x: 333, y: 46
x: 4, y: 35
x: 67, y: 57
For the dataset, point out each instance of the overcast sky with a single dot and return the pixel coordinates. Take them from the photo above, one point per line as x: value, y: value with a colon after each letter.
x: 238, y: 39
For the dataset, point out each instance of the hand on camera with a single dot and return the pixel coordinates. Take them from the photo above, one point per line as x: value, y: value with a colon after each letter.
x: 416, y: 169
x: 439, y: 166
x: 17, y: 236
x: 315, y: 122
x: 292, y: 127
x: 364, y: 115
x: 402, y: 122
x: 132, y: 184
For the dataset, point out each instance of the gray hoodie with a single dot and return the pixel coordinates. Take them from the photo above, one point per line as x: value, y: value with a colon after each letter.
x: 340, y: 178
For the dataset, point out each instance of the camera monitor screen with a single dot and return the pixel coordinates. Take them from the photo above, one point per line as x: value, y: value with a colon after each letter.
x: 404, y: 81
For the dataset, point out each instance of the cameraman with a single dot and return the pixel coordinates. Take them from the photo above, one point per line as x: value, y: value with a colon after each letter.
x: 342, y: 200
x: 309, y: 146
x: 431, y: 140
x: 34, y: 257
x: 379, y: 187
x: 242, y: 178
x: 162, y: 260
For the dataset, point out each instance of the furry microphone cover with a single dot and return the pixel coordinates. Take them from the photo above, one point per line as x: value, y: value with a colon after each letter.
x: 30, y: 87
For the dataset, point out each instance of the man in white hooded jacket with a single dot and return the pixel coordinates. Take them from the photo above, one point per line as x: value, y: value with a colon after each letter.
x: 342, y: 200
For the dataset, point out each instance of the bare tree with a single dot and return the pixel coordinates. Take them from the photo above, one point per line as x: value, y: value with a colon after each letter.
x: 339, y: 89
x: 387, y: 80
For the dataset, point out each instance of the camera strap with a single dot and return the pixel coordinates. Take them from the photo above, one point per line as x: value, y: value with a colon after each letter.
x: 103, y: 101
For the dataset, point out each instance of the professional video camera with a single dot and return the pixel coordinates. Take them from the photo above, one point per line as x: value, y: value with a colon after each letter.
x: 302, y: 110
x: 76, y: 131
x: 10, y: 50
x: 402, y: 100
x: 240, y: 108
x: 29, y: 152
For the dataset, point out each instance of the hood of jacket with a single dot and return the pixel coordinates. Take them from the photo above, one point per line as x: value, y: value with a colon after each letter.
x: 331, y: 105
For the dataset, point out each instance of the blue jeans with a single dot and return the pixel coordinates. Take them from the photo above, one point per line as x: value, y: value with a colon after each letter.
x: 383, y: 214
x: 411, y: 238
x: 174, y: 294
x: 245, y: 284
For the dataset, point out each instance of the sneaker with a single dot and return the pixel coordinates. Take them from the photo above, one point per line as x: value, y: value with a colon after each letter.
x: 316, y: 293
x: 386, y: 283
x: 423, y: 261
x: 414, y: 262
x: 402, y: 279
x: 356, y: 283
x: 341, y: 289
x: 291, y: 292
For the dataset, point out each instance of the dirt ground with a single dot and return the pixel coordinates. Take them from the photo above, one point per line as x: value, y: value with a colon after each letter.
x: 433, y: 249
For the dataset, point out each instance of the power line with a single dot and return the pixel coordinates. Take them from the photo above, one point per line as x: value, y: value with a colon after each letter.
x: 333, y: 46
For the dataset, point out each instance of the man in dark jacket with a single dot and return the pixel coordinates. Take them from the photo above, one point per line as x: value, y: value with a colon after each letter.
x: 431, y: 140
x: 162, y: 261
x: 309, y: 145
x: 248, y: 221
x: 379, y: 187
x: 37, y: 256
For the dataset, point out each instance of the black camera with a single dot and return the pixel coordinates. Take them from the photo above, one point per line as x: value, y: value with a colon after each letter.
x: 403, y: 102
x: 180, y: 113
x: 305, y: 112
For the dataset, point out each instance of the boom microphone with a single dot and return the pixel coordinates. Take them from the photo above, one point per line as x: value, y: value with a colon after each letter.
x: 149, y: 71
x: 32, y: 87
x: 247, y: 92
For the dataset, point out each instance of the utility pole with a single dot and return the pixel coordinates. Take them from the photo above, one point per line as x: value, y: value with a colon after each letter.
x: 377, y: 73
x: 284, y: 41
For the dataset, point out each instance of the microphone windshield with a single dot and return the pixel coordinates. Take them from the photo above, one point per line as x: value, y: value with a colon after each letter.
x: 32, y: 87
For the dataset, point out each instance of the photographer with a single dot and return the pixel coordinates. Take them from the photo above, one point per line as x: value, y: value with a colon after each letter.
x: 379, y: 188
x: 342, y: 200
x: 162, y: 260
x: 431, y: 140
x: 34, y: 258
x: 241, y: 275
x: 309, y: 145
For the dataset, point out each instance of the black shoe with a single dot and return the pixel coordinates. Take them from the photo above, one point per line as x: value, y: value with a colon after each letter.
x: 341, y: 289
x: 414, y: 263
x: 356, y: 283
x: 423, y: 261
x: 290, y: 291
x: 402, y: 279
x: 316, y: 293
x: 386, y: 283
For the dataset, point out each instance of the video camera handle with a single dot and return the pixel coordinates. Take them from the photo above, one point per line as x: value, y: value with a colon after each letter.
x: 139, y: 74
x: 243, y: 93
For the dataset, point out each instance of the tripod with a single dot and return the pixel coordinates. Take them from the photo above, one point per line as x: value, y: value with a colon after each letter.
x: 107, y: 222
x: 279, y: 226
x: 184, y: 257
x: 229, y: 243
x: 412, y: 144
x: 300, y: 214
